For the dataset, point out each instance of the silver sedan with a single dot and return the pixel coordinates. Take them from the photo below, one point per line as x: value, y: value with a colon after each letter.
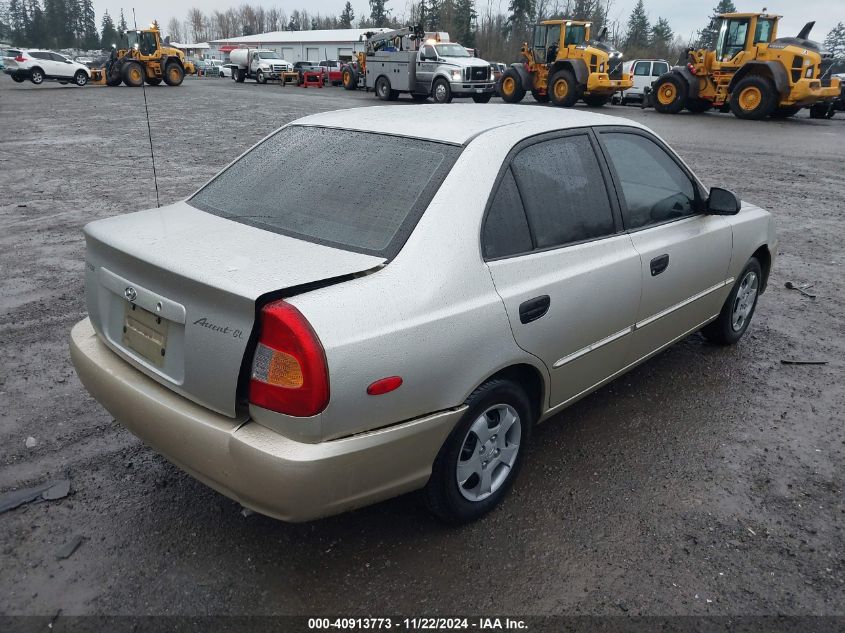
x: 308, y: 345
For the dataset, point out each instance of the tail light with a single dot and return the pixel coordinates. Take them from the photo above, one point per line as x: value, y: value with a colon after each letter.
x: 20, y: 58
x: 289, y: 371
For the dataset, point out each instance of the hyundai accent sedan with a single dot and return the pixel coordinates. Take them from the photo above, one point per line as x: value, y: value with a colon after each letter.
x: 307, y: 346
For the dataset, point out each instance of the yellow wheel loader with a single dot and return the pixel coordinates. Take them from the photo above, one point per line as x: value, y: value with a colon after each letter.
x: 563, y: 65
x: 146, y: 58
x: 752, y: 72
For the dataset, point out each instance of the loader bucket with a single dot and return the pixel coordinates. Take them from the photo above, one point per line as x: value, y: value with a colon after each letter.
x: 98, y: 77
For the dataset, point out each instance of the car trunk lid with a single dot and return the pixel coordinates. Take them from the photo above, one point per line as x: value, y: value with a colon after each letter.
x: 174, y: 290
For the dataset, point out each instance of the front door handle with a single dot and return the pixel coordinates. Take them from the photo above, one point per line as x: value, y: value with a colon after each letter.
x: 659, y: 264
x: 533, y: 309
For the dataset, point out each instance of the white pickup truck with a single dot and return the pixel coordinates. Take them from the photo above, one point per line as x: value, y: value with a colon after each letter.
x: 258, y: 64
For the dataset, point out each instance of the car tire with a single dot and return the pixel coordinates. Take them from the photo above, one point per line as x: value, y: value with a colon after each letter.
x: 563, y: 89
x: 80, y: 78
x: 17, y: 79
x: 383, y: 90
x: 133, y: 74
x: 540, y: 97
x: 260, y: 78
x: 785, y: 113
x: 174, y: 74
x: 419, y: 98
x: 753, y: 98
x: 441, y: 91
x: 485, y: 98
x: 36, y: 76
x: 821, y: 111
x: 510, y: 87
x: 738, y: 308
x: 477, y: 464
x: 670, y: 94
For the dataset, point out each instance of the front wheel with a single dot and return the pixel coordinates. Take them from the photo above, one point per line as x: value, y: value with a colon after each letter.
x: 441, y: 91
x: 738, y: 308
x: 260, y: 78
x: 563, y: 89
x: 753, y: 98
x: 485, y: 98
x: 36, y: 76
x: 669, y: 94
x: 481, y: 457
x: 510, y: 87
x: 80, y: 78
x: 133, y: 74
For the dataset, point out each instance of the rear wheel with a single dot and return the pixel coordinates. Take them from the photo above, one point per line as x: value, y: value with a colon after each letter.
x: 485, y: 98
x: 785, y: 113
x: 441, y: 91
x: 563, y: 89
x: 132, y: 74
x: 481, y: 457
x: 540, y: 97
x: 36, y: 76
x: 350, y: 79
x: 669, y: 95
x: 240, y: 75
x: 173, y: 74
x: 510, y: 87
x: 596, y: 101
x: 80, y: 78
x: 383, y: 88
x: 738, y: 308
x: 697, y: 106
x: 753, y: 98
x: 17, y: 79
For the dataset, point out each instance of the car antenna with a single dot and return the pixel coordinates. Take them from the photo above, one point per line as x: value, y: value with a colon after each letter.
x: 149, y: 129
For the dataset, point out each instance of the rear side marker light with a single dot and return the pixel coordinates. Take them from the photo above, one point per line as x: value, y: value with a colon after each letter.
x: 289, y: 371
x: 385, y: 385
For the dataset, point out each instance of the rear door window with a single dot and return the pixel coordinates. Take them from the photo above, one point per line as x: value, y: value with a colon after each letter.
x: 654, y: 187
x: 505, y: 231
x: 642, y: 69
x: 563, y: 190
x: 309, y: 182
x: 658, y: 68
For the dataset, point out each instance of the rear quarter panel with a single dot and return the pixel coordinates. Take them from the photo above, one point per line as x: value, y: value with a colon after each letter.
x: 431, y: 316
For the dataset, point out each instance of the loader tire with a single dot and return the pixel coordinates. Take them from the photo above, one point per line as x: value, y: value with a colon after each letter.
x: 173, y: 74
x: 510, y: 87
x: 596, y: 101
x: 785, y: 113
x: 563, y: 89
x: 350, y: 78
x: 132, y: 74
x: 753, y: 98
x: 540, y: 97
x: 113, y: 80
x: 670, y: 94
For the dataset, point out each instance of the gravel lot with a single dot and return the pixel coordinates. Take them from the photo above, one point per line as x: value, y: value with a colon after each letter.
x: 708, y: 481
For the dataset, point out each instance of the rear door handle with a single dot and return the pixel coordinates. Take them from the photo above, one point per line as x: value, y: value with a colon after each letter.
x: 533, y: 309
x: 659, y: 264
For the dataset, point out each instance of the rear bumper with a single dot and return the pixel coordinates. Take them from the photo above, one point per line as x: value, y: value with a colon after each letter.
x: 245, y: 461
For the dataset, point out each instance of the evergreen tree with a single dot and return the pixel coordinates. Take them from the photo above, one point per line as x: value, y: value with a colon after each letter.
x: 707, y: 36
x: 19, y: 22
x: 520, y: 15
x: 121, y: 26
x: 90, y: 39
x: 636, y: 38
x: 37, y: 32
x: 582, y: 9
x: 464, y: 22
x: 379, y: 13
x: 835, y: 40
x: 432, y: 17
x: 347, y: 16
x: 660, y: 39
x: 108, y: 34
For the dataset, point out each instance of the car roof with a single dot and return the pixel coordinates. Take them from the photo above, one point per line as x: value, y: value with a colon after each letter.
x: 458, y: 123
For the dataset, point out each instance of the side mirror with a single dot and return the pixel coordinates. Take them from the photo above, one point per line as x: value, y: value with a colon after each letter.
x: 722, y: 202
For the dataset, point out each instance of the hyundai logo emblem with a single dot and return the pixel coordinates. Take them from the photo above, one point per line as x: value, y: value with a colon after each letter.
x: 130, y: 293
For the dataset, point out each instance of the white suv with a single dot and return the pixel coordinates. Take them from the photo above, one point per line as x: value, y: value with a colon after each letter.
x: 38, y: 65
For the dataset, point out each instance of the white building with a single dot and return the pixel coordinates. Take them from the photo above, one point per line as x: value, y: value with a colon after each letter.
x: 296, y: 46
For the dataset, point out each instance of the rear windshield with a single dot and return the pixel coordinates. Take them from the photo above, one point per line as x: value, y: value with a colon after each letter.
x: 358, y: 191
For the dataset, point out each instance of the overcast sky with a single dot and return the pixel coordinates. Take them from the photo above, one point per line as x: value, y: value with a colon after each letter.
x: 684, y: 17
